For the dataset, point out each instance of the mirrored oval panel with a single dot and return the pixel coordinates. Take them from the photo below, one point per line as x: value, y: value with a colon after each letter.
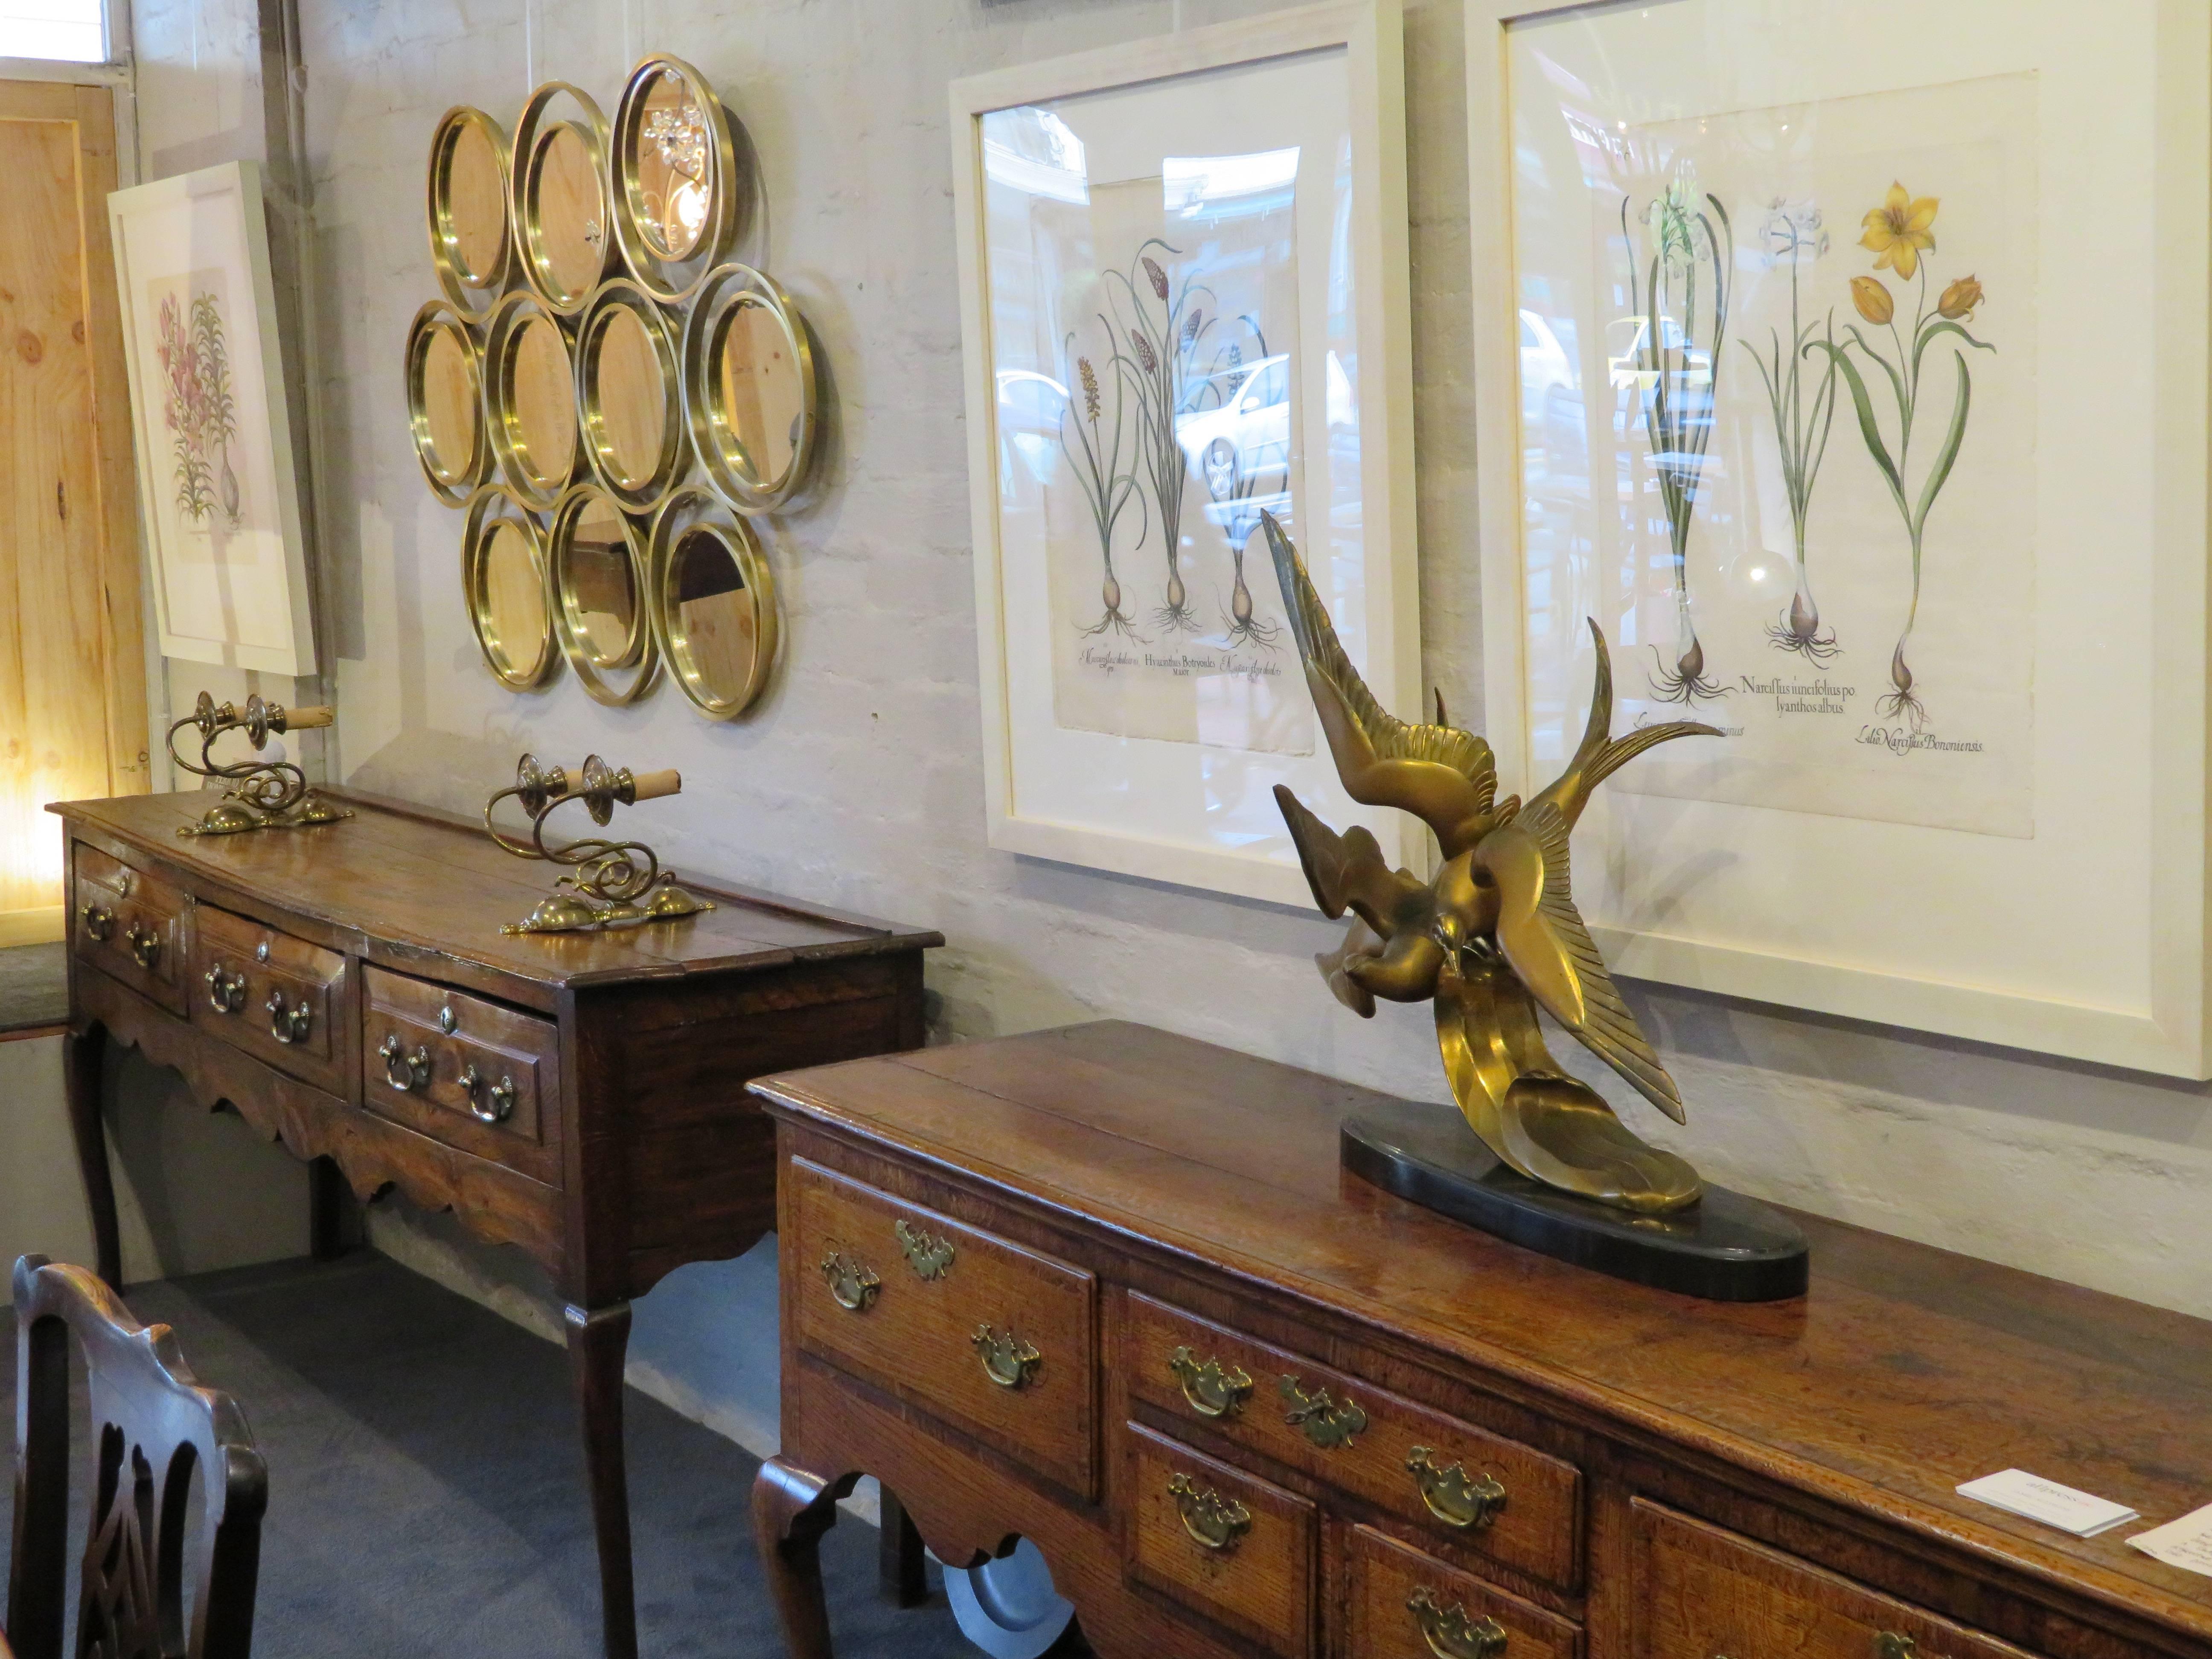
x: 598, y: 583
x: 761, y: 392
x: 714, y: 607
x: 543, y: 402
x: 566, y: 202
x: 631, y: 402
x: 673, y: 164
x: 633, y: 399
x: 452, y: 413
x: 445, y: 403
x: 468, y: 206
x: 514, y: 602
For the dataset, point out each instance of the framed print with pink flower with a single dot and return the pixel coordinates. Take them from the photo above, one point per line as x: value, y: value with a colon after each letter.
x: 1823, y: 406
x: 218, y: 494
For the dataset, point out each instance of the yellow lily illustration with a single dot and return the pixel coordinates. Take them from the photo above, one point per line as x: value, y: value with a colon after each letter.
x: 1899, y: 230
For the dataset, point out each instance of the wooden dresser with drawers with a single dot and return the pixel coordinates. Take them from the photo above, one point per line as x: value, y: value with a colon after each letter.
x: 1109, y: 1289
x: 347, y: 990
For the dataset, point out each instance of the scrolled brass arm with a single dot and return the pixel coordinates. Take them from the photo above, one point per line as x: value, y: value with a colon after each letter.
x: 266, y: 794
x: 611, y: 881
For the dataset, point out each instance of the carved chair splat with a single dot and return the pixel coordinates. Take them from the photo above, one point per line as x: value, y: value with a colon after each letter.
x: 153, y: 1426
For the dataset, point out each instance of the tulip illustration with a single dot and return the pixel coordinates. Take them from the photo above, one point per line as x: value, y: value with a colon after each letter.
x: 1898, y: 232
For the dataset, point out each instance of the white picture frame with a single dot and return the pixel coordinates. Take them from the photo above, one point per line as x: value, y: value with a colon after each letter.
x: 2079, y: 926
x: 1116, y: 795
x: 211, y: 422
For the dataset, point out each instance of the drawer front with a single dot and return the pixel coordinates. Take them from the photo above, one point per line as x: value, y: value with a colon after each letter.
x: 131, y: 925
x: 1226, y: 1544
x: 1488, y: 1494
x: 280, y: 999
x: 1702, y: 1591
x: 996, y: 1339
x: 477, y: 1076
x: 1406, y: 1605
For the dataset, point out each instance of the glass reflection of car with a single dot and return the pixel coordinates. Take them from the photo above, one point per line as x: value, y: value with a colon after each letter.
x: 1238, y: 442
x: 1547, y: 370
x: 1628, y: 348
x: 1030, y: 408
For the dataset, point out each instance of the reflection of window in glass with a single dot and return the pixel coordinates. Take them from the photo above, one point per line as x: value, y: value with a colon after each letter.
x: 74, y: 31
x: 1034, y: 151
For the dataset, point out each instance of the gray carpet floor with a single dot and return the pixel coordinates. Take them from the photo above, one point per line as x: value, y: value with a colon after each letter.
x: 426, y: 1491
x: 33, y: 985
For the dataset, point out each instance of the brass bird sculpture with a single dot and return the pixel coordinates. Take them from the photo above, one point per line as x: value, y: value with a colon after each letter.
x: 1496, y: 933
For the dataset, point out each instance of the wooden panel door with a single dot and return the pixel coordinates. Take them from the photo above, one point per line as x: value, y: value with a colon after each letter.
x: 72, y: 675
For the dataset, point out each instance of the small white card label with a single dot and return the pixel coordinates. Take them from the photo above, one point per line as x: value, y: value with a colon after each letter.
x: 2184, y: 1543
x: 2046, y: 1501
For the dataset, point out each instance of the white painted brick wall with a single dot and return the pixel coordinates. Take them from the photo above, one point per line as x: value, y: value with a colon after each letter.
x: 859, y: 783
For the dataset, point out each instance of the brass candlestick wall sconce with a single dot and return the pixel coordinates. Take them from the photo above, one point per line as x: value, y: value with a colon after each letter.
x: 264, y: 794
x: 614, y: 883
x: 1494, y: 937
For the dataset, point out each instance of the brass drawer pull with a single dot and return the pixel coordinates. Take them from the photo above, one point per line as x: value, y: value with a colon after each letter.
x: 1325, y: 1423
x: 1450, y: 1633
x: 99, y: 922
x: 1451, y: 1497
x: 291, y: 1022
x: 145, y: 946
x: 498, y: 1103
x: 1007, y: 1360
x: 403, y: 1071
x: 853, y: 1285
x: 1889, y: 1644
x: 930, y: 1257
x: 1212, y: 1391
x: 226, y: 992
x: 1215, y: 1522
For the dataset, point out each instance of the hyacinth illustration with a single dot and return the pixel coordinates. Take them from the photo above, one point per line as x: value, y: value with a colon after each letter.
x: 197, y: 407
x: 1899, y: 233
x: 1677, y: 382
x: 1224, y: 376
x: 1794, y: 236
x: 1096, y: 455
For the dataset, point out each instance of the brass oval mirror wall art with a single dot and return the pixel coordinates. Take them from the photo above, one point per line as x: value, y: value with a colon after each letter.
x: 530, y: 400
x: 678, y: 197
x: 564, y: 243
x: 596, y: 564
x: 445, y: 403
x: 714, y: 603
x: 748, y: 389
x: 503, y: 577
x: 467, y: 199
x: 629, y: 395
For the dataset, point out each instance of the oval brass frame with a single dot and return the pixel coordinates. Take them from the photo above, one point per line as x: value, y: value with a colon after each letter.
x: 670, y: 280
x: 619, y: 293
x: 441, y: 316
x: 444, y: 258
x: 474, y: 535
x: 642, y: 650
x: 502, y: 329
x: 727, y: 290
x: 752, y: 560
x: 532, y: 135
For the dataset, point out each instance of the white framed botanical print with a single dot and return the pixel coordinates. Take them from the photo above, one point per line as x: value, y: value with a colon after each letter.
x: 218, y: 494
x: 1184, y: 298
x: 1846, y: 360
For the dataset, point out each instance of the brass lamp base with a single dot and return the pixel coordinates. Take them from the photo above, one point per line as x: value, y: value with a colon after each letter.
x: 231, y: 816
x: 569, y: 911
x: 1723, y: 1248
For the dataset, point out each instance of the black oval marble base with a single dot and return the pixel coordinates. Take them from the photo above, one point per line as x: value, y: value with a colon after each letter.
x: 1725, y: 1248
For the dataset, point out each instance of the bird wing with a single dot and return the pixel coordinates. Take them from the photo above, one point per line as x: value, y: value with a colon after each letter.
x: 1544, y: 939
x: 1346, y: 871
x: 1444, y: 775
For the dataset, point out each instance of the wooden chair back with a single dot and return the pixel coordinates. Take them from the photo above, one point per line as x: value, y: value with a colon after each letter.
x: 152, y: 1426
